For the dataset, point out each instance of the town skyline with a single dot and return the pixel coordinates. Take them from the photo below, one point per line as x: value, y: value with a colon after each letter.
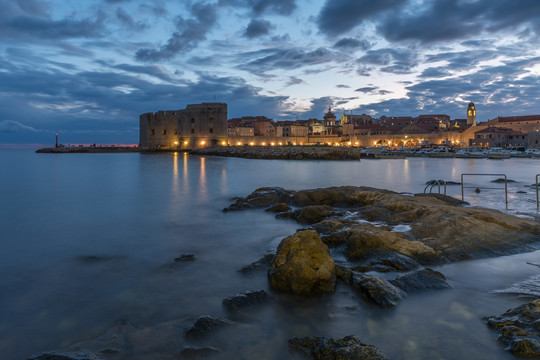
x: 87, y: 70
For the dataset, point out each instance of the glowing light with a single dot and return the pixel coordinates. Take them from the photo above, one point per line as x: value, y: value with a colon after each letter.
x: 349, y: 143
x: 374, y: 143
x: 356, y: 143
x: 175, y: 143
x: 263, y: 144
x: 251, y: 143
x: 185, y: 142
x: 239, y: 143
x: 280, y: 143
x: 294, y: 143
x: 223, y: 143
x: 203, y: 142
x: 272, y: 144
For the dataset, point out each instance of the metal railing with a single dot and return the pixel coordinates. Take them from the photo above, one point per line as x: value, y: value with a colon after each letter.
x: 433, y: 183
x: 537, y: 199
x: 494, y: 188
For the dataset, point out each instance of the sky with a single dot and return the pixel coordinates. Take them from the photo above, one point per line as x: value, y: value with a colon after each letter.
x: 88, y: 69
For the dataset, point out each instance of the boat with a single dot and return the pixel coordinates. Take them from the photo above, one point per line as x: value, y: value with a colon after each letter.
x: 498, y: 153
x: 440, y: 153
x: 471, y: 152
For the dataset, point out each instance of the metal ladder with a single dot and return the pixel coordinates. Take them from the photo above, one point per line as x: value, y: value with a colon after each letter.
x: 537, y: 199
x: 495, y: 188
x: 433, y: 183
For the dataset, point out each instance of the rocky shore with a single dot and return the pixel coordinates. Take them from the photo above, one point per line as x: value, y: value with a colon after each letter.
x: 283, y: 152
x: 381, y: 244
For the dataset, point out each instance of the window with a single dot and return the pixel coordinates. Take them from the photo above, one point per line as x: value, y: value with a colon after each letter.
x: 175, y: 131
x: 164, y: 131
x: 193, y: 131
x: 193, y: 120
x: 153, y: 132
x: 211, y: 130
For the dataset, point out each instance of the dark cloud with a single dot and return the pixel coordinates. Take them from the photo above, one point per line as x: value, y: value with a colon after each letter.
x: 396, y: 61
x: 367, y: 89
x: 339, y: 16
x: 384, y: 92
x: 280, y: 58
x: 151, y: 70
x: 434, y: 73
x: 259, y: 7
x: 341, y: 86
x: 33, y: 7
x: 190, y: 33
x: 42, y: 28
x: 295, y: 81
x: 257, y: 28
x: 125, y: 18
x: 446, y: 20
x: 350, y: 43
x: 11, y: 126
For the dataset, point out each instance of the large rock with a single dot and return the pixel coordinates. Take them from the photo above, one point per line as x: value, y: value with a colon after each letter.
x: 420, y: 280
x: 303, y: 265
x: 348, y: 348
x: 519, y: 329
x: 385, y: 261
x: 261, y: 198
x: 311, y: 214
x: 246, y: 300
x: 363, y: 240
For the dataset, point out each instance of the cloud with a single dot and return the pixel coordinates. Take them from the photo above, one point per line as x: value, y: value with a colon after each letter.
x: 342, y: 86
x: 367, y: 89
x: 257, y: 28
x: 190, y: 33
x: 11, y: 126
x: 350, y: 43
x: 295, y: 81
x: 259, y: 7
x: 283, y: 58
x: 339, y: 16
x: 125, y: 18
x: 42, y: 28
x: 396, y: 61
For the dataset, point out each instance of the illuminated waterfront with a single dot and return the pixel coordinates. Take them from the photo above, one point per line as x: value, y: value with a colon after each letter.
x: 86, y: 238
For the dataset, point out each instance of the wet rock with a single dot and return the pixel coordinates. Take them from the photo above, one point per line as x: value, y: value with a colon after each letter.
x: 519, y: 329
x: 386, y: 261
x: 434, y: 182
x: 328, y: 226
x: 279, y: 208
x: 521, y: 192
x: 261, y: 264
x: 420, y: 280
x: 205, y: 325
x: 196, y: 353
x: 246, y: 300
x: 303, y: 265
x: 477, y: 190
x: 185, y: 257
x: 313, y: 214
x: 349, y: 347
x: 363, y: 240
x: 372, y: 288
x: 77, y: 355
x: 502, y: 180
x: 260, y: 198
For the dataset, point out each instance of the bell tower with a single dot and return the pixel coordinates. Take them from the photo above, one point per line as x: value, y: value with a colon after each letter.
x: 471, y: 115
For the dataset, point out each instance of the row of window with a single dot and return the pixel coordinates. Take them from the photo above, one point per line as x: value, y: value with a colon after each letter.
x: 164, y: 131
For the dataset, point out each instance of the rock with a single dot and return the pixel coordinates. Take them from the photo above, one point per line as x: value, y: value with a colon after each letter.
x: 77, y: 355
x: 278, y: 208
x: 521, y: 192
x: 328, y: 226
x: 385, y: 261
x: 502, y: 180
x: 347, y: 348
x: 260, y: 198
x: 477, y: 190
x: 420, y: 280
x: 261, y: 264
x: 519, y: 329
x: 372, y: 288
x: 185, y: 257
x: 364, y: 240
x: 205, y: 325
x: 313, y: 214
x: 303, y: 265
x: 377, y: 290
x: 190, y: 352
x: 246, y: 300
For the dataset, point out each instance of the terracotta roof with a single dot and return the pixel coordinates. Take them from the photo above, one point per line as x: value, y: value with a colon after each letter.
x: 498, y: 130
x: 519, y: 118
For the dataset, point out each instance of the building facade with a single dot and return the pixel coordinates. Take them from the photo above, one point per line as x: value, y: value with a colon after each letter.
x: 198, y: 125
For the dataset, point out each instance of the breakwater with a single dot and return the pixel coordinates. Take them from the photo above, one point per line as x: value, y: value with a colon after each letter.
x: 283, y: 152
x: 89, y: 149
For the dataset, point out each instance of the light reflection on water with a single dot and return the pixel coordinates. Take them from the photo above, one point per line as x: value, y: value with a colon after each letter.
x: 137, y: 212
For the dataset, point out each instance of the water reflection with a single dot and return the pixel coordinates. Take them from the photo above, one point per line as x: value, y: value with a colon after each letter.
x: 203, y: 190
x: 176, y: 179
x: 186, y: 173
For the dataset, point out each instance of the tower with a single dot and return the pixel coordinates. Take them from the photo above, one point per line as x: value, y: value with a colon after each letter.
x: 471, y: 115
x: 329, y: 118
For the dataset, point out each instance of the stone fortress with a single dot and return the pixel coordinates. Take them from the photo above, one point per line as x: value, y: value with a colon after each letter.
x: 206, y: 124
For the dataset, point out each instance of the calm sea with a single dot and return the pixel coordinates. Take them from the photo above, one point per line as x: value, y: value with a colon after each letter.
x: 87, y: 240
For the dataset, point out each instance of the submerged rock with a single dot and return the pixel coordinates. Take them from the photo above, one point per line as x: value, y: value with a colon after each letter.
x: 420, y: 280
x: 205, y: 325
x: 519, y: 329
x: 185, y: 257
x: 76, y: 355
x: 246, y: 300
x: 261, y: 264
x: 386, y: 261
x: 190, y: 352
x: 303, y: 265
x: 347, y: 348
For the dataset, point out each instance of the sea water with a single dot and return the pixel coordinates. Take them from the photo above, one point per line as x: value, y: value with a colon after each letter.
x: 89, y: 240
